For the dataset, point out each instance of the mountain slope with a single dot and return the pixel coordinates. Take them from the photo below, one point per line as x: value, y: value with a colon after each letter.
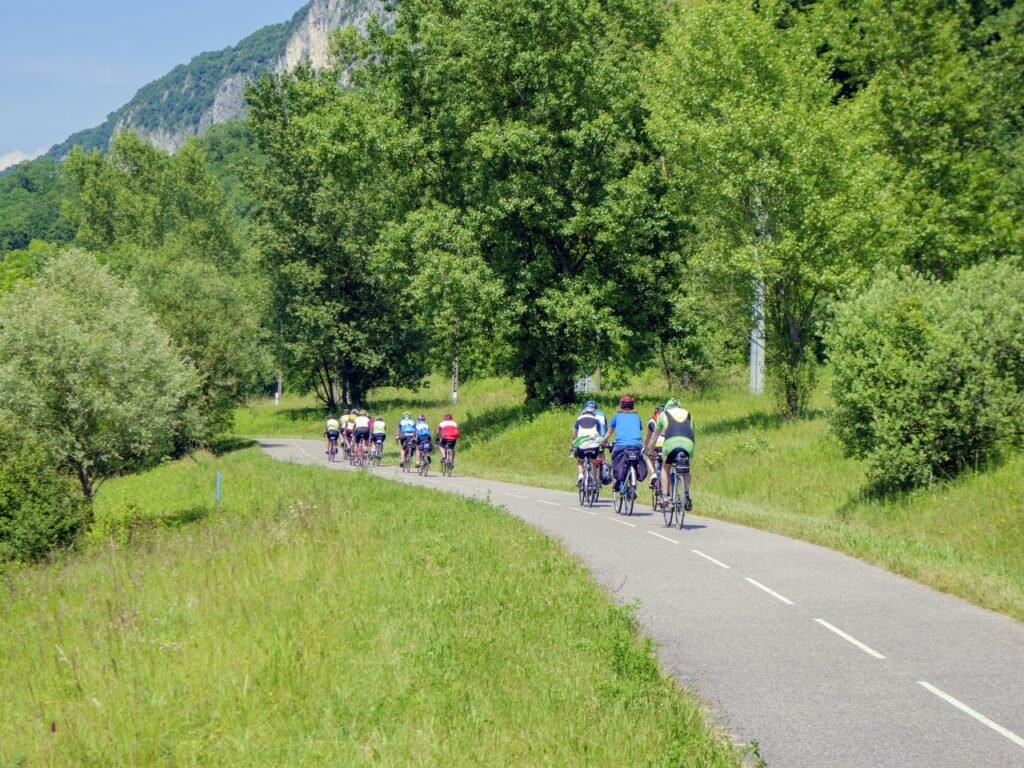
x: 209, y: 89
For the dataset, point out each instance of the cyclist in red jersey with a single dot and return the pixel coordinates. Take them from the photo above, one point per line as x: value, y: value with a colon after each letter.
x: 447, y: 434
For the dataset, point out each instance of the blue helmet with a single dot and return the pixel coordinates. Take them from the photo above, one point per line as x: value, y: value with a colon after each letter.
x: 590, y: 404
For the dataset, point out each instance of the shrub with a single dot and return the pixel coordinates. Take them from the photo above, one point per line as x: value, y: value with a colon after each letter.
x: 929, y: 377
x: 40, y: 507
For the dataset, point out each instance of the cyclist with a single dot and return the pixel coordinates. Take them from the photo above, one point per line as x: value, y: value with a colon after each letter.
x: 332, y: 430
x: 423, y: 436
x: 406, y: 436
x: 346, y: 420
x: 361, y: 432
x: 628, y: 431
x: 378, y: 432
x: 598, y: 413
x: 653, y: 447
x: 447, y: 434
x: 587, y: 432
x: 676, y: 424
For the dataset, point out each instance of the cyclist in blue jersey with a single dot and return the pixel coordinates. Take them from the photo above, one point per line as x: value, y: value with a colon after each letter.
x: 406, y: 436
x: 627, y: 428
x: 423, y: 436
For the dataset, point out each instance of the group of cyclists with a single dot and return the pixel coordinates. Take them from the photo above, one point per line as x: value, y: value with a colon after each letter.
x: 667, y: 439
x: 356, y: 429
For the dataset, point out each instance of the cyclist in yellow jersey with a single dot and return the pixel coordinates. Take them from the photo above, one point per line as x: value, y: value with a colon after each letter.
x: 361, y: 432
x: 332, y: 431
x: 676, y: 424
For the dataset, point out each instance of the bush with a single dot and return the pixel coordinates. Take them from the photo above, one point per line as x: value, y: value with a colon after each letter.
x: 929, y: 377
x: 40, y: 507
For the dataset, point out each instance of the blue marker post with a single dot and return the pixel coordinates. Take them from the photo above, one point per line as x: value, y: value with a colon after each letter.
x: 218, y: 487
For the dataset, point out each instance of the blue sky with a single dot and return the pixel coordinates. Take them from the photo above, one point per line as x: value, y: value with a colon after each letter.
x: 66, y: 64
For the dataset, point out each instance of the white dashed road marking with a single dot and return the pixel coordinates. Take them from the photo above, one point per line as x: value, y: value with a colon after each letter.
x: 849, y: 639
x: 549, y: 503
x: 515, y: 496
x: 666, y: 538
x: 719, y: 563
x: 771, y: 592
x: 976, y: 715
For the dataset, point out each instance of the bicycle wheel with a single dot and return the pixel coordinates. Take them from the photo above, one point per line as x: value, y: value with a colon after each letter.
x: 677, y: 498
x: 630, y: 491
x: 668, y: 513
x: 617, y: 498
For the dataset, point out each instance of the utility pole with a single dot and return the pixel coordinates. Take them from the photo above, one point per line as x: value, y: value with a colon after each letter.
x: 455, y: 380
x: 762, y: 234
x: 757, y: 341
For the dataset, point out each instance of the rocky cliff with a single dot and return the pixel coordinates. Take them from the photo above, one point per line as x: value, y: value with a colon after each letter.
x: 209, y: 89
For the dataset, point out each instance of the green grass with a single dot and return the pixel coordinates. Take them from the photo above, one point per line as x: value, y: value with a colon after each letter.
x: 965, y: 537
x: 321, y: 618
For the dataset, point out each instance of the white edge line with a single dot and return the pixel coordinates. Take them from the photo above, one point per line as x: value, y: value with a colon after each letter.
x: 976, y: 715
x: 719, y: 563
x: 855, y: 641
x: 620, y: 522
x: 666, y: 538
x: 515, y: 496
x: 771, y: 592
x: 549, y: 503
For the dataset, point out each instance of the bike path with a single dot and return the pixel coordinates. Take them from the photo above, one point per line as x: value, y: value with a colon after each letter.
x: 821, y: 658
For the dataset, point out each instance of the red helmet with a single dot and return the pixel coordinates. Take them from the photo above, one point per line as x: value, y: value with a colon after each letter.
x: 627, y: 402
x: 448, y: 417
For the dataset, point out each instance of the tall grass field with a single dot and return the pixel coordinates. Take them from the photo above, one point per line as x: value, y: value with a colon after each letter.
x: 330, y: 619
x: 965, y: 536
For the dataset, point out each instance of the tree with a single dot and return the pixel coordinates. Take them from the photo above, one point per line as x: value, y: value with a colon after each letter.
x: 40, y: 508
x: 459, y: 295
x: 88, y: 370
x: 336, y: 175
x: 939, y: 85
x: 139, y: 195
x: 31, y: 196
x: 215, y: 320
x: 531, y: 124
x: 767, y: 173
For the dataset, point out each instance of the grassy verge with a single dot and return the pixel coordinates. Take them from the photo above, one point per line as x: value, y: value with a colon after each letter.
x: 965, y: 537
x: 314, y: 618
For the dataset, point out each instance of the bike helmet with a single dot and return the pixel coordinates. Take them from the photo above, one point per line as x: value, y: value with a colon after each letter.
x: 673, y: 403
x: 422, y: 417
x: 448, y: 417
x: 406, y: 415
x: 627, y: 403
x: 591, y: 405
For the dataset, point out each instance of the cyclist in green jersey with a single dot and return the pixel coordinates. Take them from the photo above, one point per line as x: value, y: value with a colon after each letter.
x: 676, y: 424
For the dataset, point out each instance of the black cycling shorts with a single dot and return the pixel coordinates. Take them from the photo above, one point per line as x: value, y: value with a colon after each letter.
x: 362, y: 435
x: 332, y: 435
x: 674, y: 457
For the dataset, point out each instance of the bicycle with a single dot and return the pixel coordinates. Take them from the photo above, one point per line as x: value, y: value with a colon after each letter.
x: 590, y: 487
x: 655, y: 480
x: 624, y: 493
x: 410, y: 452
x: 677, y: 497
x: 375, y: 453
x: 423, y: 465
x: 332, y: 450
x: 447, y: 460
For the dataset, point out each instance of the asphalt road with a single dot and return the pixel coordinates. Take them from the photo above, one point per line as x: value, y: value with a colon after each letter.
x: 821, y: 658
